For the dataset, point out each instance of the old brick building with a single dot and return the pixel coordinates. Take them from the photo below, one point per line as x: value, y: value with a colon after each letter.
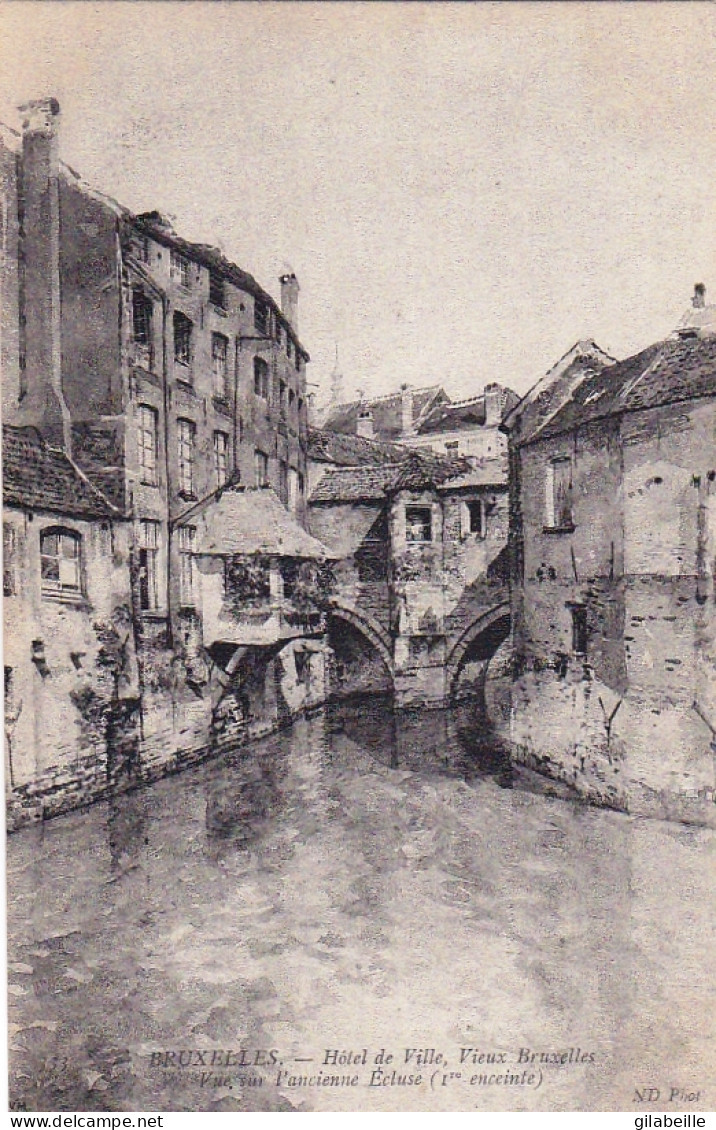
x: 420, y: 571
x: 70, y: 666
x: 613, y: 547
x: 166, y: 375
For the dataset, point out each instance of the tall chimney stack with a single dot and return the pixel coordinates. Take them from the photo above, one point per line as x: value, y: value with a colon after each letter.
x: 289, y: 299
x: 42, y: 400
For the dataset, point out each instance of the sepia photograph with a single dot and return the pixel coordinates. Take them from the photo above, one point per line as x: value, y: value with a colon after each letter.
x: 358, y: 369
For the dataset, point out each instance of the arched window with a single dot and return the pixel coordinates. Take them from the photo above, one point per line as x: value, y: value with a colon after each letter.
x: 60, y: 561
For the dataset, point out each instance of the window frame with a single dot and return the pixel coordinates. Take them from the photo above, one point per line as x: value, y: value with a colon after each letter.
x: 416, y: 509
x: 262, y: 317
x: 261, y: 468
x: 186, y: 457
x: 562, y: 521
x: 186, y: 548
x: 220, y: 365
x: 580, y: 630
x: 183, y: 330
x: 217, y: 290
x: 180, y: 268
x: 148, y: 474
x: 149, y: 547
x: 261, y: 378
x: 61, y: 589
x: 221, y: 457
x: 9, y: 559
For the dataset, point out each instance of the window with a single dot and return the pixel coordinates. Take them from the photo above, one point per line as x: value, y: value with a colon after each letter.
x: 219, y: 354
x: 452, y: 447
x: 289, y: 344
x: 186, y: 539
x: 282, y: 397
x: 295, y: 489
x: 283, y: 481
x: 261, y: 468
x: 559, y: 495
x: 139, y: 247
x: 9, y: 551
x: 221, y: 458
x: 186, y: 435
x: 60, y: 562
x: 217, y: 290
x: 418, y: 524
x: 474, y: 517
x: 291, y: 399
x: 182, y: 338
x: 179, y: 269
x: 142, y: 309
x: 147, y: 438
x: 298, y: 361
x: 579, y: 629
x: 261, y: 377
x: 261, y: 317
x: 148, y: 565
x: 277, y: 328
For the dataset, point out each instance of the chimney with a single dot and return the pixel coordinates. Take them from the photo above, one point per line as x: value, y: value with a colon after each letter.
x: 406, y: 409
x: 699, y: 299
x: 289, y: 299
x: 42, y: 400
x: 494, y: 404
x: 364, y: 424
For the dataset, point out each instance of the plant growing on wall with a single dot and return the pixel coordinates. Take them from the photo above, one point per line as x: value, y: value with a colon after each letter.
x: 308, y: 585
x: 246, y: 581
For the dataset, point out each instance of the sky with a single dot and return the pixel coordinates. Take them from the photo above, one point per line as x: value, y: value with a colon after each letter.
x: 464, y: 190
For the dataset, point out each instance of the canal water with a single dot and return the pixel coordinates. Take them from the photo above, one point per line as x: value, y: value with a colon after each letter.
x: 360, y: 886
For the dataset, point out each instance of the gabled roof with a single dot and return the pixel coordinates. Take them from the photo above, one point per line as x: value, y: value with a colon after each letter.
x: 417, y: 471
x: 387, y: 412
x: 666, y: 373
x: 250, y: 521
x: 546, y: 397
x: 349, y: 450
x: 38, y: 477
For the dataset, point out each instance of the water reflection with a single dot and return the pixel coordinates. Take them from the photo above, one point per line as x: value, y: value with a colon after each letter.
x: 458, y: 742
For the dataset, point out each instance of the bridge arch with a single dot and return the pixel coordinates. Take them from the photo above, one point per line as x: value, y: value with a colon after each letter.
x: 368, y: 626
x: 480, y: 640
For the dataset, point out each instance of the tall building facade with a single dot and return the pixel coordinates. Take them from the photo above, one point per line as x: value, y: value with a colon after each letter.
x: 163, y: 370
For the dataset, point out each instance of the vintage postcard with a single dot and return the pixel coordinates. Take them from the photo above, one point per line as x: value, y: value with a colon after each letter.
x: 359, y: 544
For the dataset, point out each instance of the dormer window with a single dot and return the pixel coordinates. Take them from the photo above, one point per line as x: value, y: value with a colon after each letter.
x: 418, y: 524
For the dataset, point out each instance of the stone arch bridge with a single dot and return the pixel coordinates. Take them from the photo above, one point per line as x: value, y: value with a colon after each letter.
x: 376, y: 649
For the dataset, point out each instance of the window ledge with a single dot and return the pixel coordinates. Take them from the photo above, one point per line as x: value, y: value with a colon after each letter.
x: 221, y: 310
x: 559, y: 529
x: 73, y: 599
x: 147, y: 483
x: 222, y: 404
x: 186, y: 383
x: 152, y: 614
x: 187, y: 496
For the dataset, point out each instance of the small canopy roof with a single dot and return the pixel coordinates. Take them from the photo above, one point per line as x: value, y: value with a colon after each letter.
x: 246, y: 521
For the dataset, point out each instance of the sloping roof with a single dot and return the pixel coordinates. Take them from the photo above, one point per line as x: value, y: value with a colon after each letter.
x: 251, y: 520
x: 387, y: 412
x: 490, y: 473
x: 665, y: 373
x: 38, y: 477
x: 462, y: 415
x: 544, y: 400
x: 153, y: 224
x: 417, y: 471
x: 351, y: 451
x: 454, y: 417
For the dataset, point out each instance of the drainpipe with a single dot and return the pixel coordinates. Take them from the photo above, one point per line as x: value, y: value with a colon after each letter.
x: 167, y: 470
